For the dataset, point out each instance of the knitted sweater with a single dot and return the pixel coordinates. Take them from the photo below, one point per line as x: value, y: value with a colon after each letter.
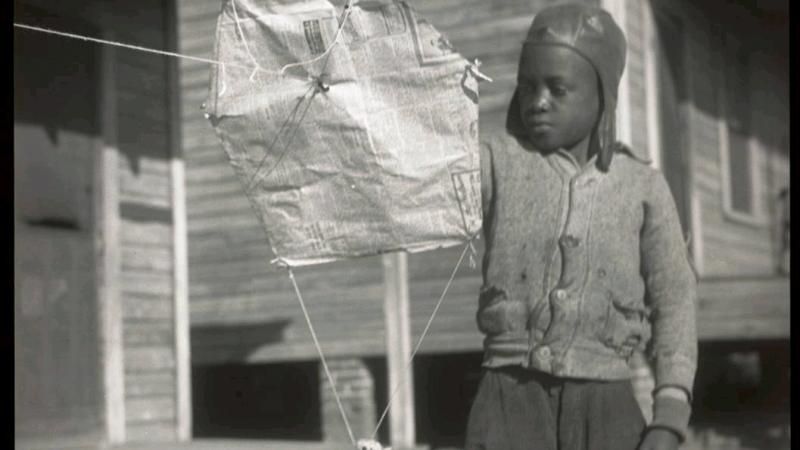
x: 583, y: 267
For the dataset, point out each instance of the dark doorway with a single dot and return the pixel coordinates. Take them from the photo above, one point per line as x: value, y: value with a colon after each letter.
x: 742, y: 390
x: 257, y: 401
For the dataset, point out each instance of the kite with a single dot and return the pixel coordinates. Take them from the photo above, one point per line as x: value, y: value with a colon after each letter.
x: 352, y: 126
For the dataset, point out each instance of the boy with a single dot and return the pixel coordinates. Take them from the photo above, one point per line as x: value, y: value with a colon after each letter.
x: 584, y: 260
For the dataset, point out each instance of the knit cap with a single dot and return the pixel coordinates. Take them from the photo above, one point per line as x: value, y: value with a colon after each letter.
x: 592, y: 33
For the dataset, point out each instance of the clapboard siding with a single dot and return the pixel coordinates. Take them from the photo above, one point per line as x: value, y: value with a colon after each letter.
x: 150, y: 384
x: 146, y: 278
x: 730, y: 248
x: 160, y: 431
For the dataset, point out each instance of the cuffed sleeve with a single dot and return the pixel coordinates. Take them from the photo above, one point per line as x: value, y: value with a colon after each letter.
x: 672, y: 414
x: 671, y: 293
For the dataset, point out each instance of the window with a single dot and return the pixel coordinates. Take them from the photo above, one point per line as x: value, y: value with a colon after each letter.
x: 737, y: 149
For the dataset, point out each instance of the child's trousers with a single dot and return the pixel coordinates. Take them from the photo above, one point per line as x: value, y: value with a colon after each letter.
x: 519, y: 409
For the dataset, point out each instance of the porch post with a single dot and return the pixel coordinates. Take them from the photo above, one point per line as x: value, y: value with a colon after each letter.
x: 398, y: 350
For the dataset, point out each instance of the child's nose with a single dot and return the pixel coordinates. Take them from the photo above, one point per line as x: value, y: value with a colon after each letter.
x: 541, y: 102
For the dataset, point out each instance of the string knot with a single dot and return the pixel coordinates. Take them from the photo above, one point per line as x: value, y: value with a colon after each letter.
x: 474, y: 68
x: 322, y: 83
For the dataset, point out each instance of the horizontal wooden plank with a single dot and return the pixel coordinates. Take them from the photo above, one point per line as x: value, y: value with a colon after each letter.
x: 157, y: 202
x: 747, y: 328
x: 195, y: 79
x: 146, y: 308
x: 192, y: 137
x: 145, y: 234
x: 149, y: 409
x: 147, y: 165
x: 148, y: 359
x: 231, y: 289
x: 738, y: 238
x: 221, y: 222
x: 219, y: 190
x: 144, y: 185
x: 192, y: 10
x: 147, y: 259
x: 211, y: 242
x: 149, y: 283
x: 150, y: 384
x: 159, y: 432
x: 211, y: 209
x: 744, y: 296
x: 144, y: 334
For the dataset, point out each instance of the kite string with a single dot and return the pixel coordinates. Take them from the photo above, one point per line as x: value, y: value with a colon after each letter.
x: 403, y: 380
x: 139, y: 48
x: 348, y: 8
x: 268, y: 151
x: 331, y: 380
x: 124, y: 45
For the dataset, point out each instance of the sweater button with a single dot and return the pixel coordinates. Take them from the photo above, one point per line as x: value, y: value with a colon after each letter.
x: 560, y: 294
x: 544, y: 352
x: 569, y: 241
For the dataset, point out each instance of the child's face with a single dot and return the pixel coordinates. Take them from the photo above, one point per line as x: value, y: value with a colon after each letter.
x: 558, y: 96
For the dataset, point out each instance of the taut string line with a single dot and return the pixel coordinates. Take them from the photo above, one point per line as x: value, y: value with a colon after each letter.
x: 124, y: 45
x: 467, y: 247
x: 331, y: 380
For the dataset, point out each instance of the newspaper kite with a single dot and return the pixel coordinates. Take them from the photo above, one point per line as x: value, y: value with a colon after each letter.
x: 349, y: 140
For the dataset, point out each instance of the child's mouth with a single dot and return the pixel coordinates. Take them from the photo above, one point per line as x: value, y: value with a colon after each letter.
x: 540, y: 127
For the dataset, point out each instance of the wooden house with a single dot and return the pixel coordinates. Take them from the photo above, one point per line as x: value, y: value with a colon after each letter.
x: 101, y: 356
x: 707, y: 105
x: 118, y: 253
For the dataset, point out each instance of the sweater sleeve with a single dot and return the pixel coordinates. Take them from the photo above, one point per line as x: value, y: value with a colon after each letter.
x: 671, y: 292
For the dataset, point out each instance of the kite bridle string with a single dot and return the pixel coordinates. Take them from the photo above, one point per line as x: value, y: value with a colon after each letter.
x: 317, y: 87
x: 331, y: 380
x: 251, y: 184
x: 124, y: 45
x: 348, y: 8
x: 256, y: 65
x: 403, y: 380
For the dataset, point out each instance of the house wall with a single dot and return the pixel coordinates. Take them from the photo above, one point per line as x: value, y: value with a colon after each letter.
x: 140, y: 400
x: 56, y: 352
x: 146, y: 237
x: 729, y: 247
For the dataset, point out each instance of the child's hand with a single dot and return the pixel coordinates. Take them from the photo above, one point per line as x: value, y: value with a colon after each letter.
x: 368, y: 444
x: 659, y: 439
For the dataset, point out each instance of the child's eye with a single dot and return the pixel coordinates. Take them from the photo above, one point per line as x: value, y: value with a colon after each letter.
x: 558, y: 91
